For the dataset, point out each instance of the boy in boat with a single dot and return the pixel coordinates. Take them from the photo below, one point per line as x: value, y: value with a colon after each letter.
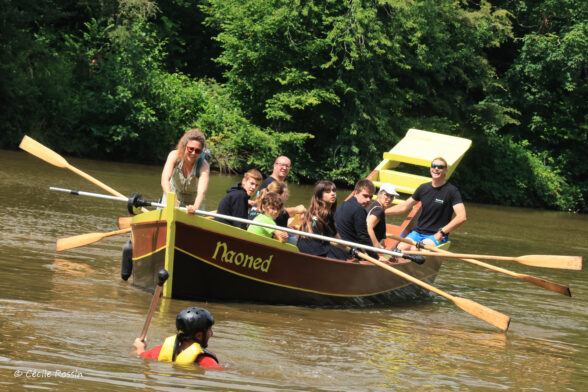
x: 376, y: 216
x: 351, y: 216
x: 236, y: 201
x: 270, y: 207
x: 194, y: 327
x: 439, y: 200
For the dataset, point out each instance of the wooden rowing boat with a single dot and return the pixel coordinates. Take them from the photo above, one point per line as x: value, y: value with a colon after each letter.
x: 211, y: 261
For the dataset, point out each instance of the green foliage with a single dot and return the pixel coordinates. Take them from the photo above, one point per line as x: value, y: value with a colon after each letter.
x: 513, y: 175
x: 331, y: 84
x: 547, y: 84
x: 355, y: 74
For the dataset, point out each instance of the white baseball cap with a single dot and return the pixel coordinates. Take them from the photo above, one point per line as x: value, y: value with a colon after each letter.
x: 389, y: 189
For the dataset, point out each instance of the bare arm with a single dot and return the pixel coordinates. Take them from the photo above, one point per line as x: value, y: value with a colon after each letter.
x: 372, y: 221
x: 299, y: 209
x: 280, y: 235
x: 167, y: 171
x: 403, y: 208
x: 458, y: 220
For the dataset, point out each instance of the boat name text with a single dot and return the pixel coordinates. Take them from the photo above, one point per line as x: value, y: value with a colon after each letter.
x: 241, y: 259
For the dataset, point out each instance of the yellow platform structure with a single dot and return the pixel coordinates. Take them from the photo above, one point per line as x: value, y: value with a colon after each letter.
x: 418, y: 148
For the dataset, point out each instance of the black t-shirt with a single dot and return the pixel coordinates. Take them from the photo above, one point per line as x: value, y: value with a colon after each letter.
x: 378, y: 211
x: 282, y: 219
x: 317, y: 247
x: 437, y: 206
x: 265, y: 183
x: 350, y: 220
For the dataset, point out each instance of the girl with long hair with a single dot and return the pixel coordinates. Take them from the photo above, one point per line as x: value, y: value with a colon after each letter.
x: 320, y: 219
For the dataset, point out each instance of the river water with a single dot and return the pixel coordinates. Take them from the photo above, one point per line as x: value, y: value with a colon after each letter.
x: 68, y: 321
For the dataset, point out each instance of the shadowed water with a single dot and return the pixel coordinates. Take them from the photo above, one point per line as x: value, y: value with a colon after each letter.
x: 68, y: 321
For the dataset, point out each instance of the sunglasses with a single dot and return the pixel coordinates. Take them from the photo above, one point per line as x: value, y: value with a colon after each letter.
x: 194, y: 149
x: 436, y: 166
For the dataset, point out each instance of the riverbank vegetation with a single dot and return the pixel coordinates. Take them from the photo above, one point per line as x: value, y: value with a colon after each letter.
x: 332, y: 84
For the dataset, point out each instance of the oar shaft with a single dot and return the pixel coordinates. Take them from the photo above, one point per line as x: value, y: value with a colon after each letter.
x: 162, y: 277
x: 82, y: 193
x: 95, y: 181
x: 241, y: 220
x: 492, y: 317
x: 543, y: 283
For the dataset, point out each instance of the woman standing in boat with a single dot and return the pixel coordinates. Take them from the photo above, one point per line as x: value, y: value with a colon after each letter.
x: 320, y: 219
x: 186, y: 171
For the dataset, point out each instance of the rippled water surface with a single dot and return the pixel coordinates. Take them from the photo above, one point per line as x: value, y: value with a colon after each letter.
x: 68, y: 321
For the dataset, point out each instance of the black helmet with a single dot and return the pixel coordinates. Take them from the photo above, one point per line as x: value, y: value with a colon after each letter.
x: 192, y: 320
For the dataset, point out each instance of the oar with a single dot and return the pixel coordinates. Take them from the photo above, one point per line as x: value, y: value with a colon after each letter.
x: 162, y: 275
x: 40, y: 151
x: 86, y: 239
x: 546, y: 284
x: 124, y: 222
x: 137, y: 201
x: 492, y: 317
x: 544, y: 261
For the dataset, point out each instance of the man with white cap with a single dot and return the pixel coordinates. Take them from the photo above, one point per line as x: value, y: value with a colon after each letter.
x: 376, y: 216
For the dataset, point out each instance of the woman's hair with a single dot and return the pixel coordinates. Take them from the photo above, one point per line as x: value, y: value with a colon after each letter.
x: 318, y: 211
x: 279, y: 187
x: 192, y: 134
x: 271, y: 199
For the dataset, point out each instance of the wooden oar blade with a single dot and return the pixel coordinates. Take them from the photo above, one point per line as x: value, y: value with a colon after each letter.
x: 124, y: 222
x: 546, y: 284
x: 86, y: 239
x: 491, y: 316
x: 78, y: 240
x: 552, y: 261
x: 35, y: 148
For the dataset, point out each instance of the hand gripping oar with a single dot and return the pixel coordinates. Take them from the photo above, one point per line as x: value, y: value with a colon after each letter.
x: 546, y: 284
x: 86, y: 239
x: 492, y: 317
x: 544, y: 261
x: 162, y: 276
x: 40, y: 151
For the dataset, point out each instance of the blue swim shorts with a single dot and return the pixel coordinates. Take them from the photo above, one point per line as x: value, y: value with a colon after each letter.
x: 416, y: 237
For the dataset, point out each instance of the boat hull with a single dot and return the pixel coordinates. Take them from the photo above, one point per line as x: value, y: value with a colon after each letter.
x: 227, y: 265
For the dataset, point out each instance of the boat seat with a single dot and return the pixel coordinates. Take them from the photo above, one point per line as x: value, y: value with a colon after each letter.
x: 405, y: 182
x: 419, y: 148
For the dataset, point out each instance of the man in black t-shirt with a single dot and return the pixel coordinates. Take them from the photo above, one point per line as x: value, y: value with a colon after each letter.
x: 281, y: 171
x: 439, y: 201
